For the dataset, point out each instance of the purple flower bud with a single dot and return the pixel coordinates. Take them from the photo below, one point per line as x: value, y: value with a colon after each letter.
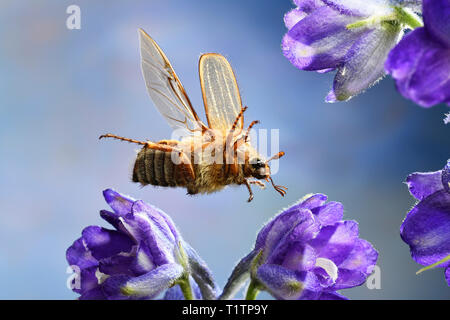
x: 306, y: 252
x: 420, y: 63
x: 426, y: 228
x: 144, y: 256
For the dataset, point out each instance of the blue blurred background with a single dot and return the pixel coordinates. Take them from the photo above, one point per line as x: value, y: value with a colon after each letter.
x: 60, y: 89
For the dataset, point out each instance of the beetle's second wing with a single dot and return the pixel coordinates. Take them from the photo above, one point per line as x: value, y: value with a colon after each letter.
x: 220, y: 92
x: 164, y: 87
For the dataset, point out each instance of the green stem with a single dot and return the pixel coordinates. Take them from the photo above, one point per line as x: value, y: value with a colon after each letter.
x: 431, y: 266
x: 408, y: 18
x: 185, y: 286
x: 401, y: 15
x: 252, y: 291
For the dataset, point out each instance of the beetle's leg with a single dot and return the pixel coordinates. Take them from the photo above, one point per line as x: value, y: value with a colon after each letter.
x: 249, y: 190
x: 239, y: 116
x: 258, y: 183
x: 250, y: 128
x: 280, y: 189
x: 169, y: 142
x: 109, y: 135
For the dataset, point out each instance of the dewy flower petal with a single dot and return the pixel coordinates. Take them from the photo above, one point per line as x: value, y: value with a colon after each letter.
x: 144, y: 256
x: 352, y: 36
x: 426, y: 228
x: 302, y: 254
x: 420, y: 63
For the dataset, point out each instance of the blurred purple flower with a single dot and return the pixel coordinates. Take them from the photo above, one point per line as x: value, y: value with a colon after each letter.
x: 426, y: 228
x: 420, y: 63
x: 306, y: 252
x: 144, y: 256
x: 352, y: 36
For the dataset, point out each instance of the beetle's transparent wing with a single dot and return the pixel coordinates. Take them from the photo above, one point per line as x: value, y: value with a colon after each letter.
x: 220, y: 92
x: 164, y: 87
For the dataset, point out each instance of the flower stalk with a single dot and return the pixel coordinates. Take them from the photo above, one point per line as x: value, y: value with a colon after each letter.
x: 252, y: 291
x: 403, y: 16
x: 431, y: 266
x: 186, y: 288
x: 408, y: 18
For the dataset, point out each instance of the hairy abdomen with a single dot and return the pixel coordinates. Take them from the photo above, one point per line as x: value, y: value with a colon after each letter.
x: 156, y: 167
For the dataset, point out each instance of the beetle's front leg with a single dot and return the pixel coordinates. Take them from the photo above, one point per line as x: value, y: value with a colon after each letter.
x: 258, y: 183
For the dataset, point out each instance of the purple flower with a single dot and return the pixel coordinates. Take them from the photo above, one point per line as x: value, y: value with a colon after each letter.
x: 420, y: 63
x: 353, y: 37
x: 306, y: 252
x: 426, y: 228
x: 141, y: 258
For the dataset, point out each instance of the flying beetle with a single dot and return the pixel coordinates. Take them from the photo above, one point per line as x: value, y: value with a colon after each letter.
x: 183, y: 163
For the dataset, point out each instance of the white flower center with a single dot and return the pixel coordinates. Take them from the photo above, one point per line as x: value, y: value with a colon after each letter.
x: 328, y: 266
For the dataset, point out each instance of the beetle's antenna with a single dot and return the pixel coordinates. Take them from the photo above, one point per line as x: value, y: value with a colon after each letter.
x: 276, y: 156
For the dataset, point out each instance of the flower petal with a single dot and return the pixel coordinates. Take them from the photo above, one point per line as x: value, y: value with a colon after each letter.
x: 446, y: 177
x: 358, y: 265
x: 292, y: 17
x: 423, y: 184
x: 286, y: 284
x: 144, y: 230
x: 332, y: 296
x: 420, y: 67
x: 240, y: 274
x: 320, y: 40
x: 360, y: 8
x: 295, y: 256
x: 142, y: 261
x: 436, y: 16
x: 336, y: 242
x: 297, y: 225
x: 118, y: 264
x: 104, y: 243
x: 93, y: 294
x: 329, y: 213
x: 79, y: 255
x: 308, y: 5
x: 84, y: 265
x: 426, y: 229
x: 311, y: 202
x: 161, y: 220
x: 201, y: 273
x: 151, y: 283
x: 112, y: 218
x: 119, y: 203
x: 366, y: 64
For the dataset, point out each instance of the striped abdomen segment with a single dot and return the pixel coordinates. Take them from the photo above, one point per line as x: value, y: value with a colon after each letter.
x: 156, y: 167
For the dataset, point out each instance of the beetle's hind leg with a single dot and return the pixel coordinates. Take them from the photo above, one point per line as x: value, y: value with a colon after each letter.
x: 109, y: 135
